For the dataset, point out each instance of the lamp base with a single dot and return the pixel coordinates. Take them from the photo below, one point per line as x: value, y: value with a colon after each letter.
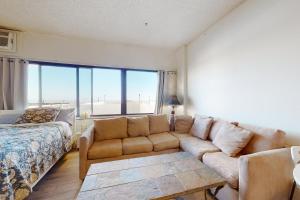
x: 172, y: 120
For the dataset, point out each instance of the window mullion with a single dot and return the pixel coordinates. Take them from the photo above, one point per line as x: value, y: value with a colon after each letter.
x: 92, y: 91
x: 77, y: 93
x: 40, y: 86
x: 123, y: 92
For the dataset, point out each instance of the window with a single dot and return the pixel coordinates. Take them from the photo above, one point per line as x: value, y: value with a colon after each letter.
x: 92, y: 90
x: 106, y: 91
x: 85, y: 91
x: 58, y: 86
x: 141, y: 91
x: 33, y: 86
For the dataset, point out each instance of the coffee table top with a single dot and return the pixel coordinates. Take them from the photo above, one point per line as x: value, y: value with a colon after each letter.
x: 154, y: 177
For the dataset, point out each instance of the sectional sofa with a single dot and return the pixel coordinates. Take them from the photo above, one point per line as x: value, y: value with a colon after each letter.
x: 253, y: 160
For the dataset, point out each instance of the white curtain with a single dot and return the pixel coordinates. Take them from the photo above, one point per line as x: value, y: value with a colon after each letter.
x: 13, y: 83
x: 160, y: 92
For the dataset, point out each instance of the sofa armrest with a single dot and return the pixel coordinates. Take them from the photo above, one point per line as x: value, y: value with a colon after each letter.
x: 266, y: 175
x: 85, y: 142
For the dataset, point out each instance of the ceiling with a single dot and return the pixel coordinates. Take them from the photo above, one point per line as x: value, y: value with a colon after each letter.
x: 171, y: 23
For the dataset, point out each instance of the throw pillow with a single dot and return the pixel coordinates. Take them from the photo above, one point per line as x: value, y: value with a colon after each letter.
x: 158, y: 124
x: 183, y: 123
x: 232, y: 139
x: 38, y: 115
x: 138, y: 126
x: 201, y: 127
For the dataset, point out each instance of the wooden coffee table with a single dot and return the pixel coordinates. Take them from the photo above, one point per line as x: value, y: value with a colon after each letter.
x: 155, y: 177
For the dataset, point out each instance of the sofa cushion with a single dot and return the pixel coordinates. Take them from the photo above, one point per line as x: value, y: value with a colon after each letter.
x: 201, y: 127
x: 232, y: 139
x: 180, y: 135
x: 223, y: 164
x: 263, y: 139
x: 137, y: 145
x: 216, y: 125
x: 138, y: 126
x: 105, y: 149
x: 183, y: 123
x: 114, y: 128
x: 194, y: 145
x: 163, y: 141
x: 158, y: 124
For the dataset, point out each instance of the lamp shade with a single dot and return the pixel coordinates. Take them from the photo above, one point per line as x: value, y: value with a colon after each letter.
x: 173, y: 100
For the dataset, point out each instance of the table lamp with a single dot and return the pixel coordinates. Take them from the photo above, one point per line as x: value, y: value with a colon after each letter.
x: 172, y: 101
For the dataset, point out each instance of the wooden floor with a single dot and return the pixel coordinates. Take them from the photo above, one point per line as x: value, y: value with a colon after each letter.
x: 62, y: 181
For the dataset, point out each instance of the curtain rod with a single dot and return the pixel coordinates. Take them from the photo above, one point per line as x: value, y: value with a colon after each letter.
x: 10, y: 56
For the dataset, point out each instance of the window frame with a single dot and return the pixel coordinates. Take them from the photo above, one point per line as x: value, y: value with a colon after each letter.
x: 122, y: 70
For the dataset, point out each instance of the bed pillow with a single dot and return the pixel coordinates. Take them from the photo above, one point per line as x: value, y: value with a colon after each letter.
x: 232, y: 139
x: 38, y: 115
x: 66, y: 115
x: 9, y: 116
x: 201, y: 126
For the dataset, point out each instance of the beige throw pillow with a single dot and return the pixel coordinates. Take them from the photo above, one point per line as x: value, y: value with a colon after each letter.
x: 201, y: 127
x: 183, y: 123
x: 138, y: 126
x: 114, y: 128
x: 232, y: 139
x: 158, y: 124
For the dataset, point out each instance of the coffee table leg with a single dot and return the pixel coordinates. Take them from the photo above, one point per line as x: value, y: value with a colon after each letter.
x: 214, y: 195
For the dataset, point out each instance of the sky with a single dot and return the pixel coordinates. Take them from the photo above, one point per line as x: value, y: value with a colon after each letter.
x: 59, y: 83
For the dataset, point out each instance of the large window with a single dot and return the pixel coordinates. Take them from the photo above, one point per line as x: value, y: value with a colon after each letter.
x: 141, y: 91
x: 58, y: 86
x: 33, y: 86
x: 92, y: 90
x: 106, y: 91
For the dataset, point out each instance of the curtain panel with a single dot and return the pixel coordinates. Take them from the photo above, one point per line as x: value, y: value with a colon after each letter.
x: 160, y: 92
x: 13, y: 83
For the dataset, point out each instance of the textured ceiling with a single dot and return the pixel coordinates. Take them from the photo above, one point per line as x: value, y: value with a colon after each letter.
x: 171, y: 23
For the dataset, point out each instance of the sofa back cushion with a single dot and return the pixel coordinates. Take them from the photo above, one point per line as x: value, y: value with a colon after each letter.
x: 201, y: 127
x: 138, y: 126
x: 232, y: 139
x: 263, y: 139
x: 158, y: 124
x: 183, y: 123
x: 114, y: 128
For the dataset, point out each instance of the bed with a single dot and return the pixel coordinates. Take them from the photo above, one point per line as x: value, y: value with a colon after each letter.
x: 27, y: 152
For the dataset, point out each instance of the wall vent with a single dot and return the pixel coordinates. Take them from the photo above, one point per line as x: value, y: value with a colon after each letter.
x: 8, y: 40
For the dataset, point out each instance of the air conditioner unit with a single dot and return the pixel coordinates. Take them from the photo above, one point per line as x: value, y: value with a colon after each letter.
x: 8, y: 40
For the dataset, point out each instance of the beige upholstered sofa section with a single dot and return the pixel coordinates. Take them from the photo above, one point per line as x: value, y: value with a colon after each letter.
x: 85, y: 142
x: 109, y: 140
x: 262, y: 172
x: 266, y: 175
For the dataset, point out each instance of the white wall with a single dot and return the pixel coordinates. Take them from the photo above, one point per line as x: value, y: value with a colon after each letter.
x: 43, y: 47
x: 247, y: 67
x: 180, y: 55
